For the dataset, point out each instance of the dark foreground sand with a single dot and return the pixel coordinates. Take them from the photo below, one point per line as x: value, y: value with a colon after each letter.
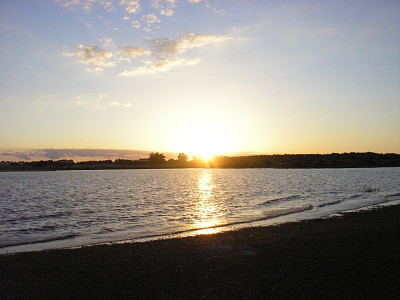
x: 356, y: 256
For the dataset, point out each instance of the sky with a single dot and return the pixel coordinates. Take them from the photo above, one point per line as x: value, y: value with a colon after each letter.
x: 199, y: 76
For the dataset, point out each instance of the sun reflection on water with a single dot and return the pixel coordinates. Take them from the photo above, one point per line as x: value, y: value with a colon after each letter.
x: 208, y: 212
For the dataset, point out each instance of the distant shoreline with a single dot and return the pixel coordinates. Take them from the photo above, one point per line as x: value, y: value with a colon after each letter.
x: 286, y: 161
x: 186, y: 168
x: 356, y: 255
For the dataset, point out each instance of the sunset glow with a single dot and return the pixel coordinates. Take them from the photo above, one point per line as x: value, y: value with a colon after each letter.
x: 206, y: 140
x: 200, y: 77
x: 177, y: 149
x: 208, y: 212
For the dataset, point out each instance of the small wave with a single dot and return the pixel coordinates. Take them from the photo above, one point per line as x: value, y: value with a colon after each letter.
x: 107, y: 230
x: 25, y: 218
x: 330, y: 203
x: 392, y: 197
x: 284, y: 212
x: 355, y: 196
x: 368, y: 189
x: 178, y: 219
x: 271, y: 201
x: 32, y: 230
x: 267, y: 216
x: 52, y: 239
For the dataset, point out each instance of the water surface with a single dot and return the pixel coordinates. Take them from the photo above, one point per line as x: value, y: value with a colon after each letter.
x: 40, y: 210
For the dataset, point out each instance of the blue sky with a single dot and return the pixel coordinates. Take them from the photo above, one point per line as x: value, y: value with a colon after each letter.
x: 200, y: 76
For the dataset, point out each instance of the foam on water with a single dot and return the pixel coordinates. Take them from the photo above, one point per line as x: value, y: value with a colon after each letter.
x: 280, y: 199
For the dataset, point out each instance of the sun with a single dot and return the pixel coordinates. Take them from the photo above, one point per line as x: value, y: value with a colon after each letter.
x: 206, y: 140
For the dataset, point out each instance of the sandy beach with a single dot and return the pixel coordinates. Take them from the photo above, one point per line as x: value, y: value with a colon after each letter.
x: 354, y: 256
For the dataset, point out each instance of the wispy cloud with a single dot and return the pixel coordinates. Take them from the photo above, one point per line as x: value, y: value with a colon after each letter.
x: 161, y: 66
x: 164, y: 8
x: 164, y: 53
x: 116, y: 103
x: 215, y: 10
x: 75, y: 154
x: 131, y: 6
x: 135, y: 24
x: 108, y: 6
x: 150, y: 19
x: 108, y: 42
x: 94, y: 70
x: 97, y: 101
x: 182, y: 44
x: 86, y: 5
x: 167, y: 53
x: 134, y: 51
x: 16, y: 154
x: 94, y: 56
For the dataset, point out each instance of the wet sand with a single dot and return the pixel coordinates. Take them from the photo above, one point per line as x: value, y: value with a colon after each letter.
x: 354, y: 256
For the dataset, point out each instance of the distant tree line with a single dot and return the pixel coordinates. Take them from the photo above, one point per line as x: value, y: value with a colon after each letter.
x: 334, y: 160
x: 158, y: 160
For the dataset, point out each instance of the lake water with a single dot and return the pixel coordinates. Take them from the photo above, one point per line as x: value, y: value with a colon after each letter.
x: 44, y: 210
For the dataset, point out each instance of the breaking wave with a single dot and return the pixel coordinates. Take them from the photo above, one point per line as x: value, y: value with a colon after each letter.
x: 267, y: 215
x: 330, y: 203
x: 280, y: 199
x: 38, y: 241
x: 392, y: 197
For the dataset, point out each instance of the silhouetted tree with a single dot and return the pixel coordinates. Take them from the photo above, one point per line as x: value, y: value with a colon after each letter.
x: 182, y: 157
x: 156, y: 158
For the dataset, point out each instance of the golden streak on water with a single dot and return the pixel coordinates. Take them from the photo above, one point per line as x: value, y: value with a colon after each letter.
x: 207, y: 209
